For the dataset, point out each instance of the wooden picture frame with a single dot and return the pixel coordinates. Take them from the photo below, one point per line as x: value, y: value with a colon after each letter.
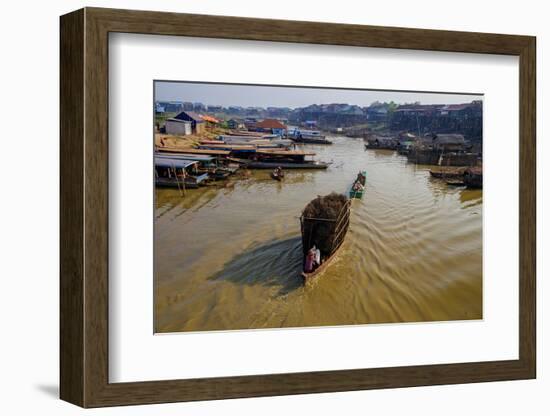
x: 84, y: 207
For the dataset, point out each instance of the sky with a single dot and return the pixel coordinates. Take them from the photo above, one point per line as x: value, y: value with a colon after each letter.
x: 274, y: 96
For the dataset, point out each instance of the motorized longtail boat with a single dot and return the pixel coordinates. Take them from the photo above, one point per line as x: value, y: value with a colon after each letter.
x: 324, y: 223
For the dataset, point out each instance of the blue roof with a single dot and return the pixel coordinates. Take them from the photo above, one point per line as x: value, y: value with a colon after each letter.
x: 164, y: 162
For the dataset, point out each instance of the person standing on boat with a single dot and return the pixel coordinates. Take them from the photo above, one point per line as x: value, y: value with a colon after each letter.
x: 310, y: 260
x: 317, y: 256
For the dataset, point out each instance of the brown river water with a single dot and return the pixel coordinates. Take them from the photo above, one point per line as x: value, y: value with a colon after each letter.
x: 229, y: 257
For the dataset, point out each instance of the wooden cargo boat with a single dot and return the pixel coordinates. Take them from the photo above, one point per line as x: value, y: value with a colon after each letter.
x: 337, y: 229
x: 254, y: 164
x: 271, y: 159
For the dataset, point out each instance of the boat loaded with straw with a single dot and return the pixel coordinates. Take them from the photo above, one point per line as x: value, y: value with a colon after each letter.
x: 324, y: 224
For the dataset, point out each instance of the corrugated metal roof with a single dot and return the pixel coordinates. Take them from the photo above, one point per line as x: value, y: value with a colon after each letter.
x: 270, y: 123
x: 165, y: 162
x: 210, y: 119
x: 176, y: 120
x: 184, y: 115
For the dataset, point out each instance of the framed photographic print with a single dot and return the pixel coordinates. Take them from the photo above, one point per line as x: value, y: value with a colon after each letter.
x: 255, y: 207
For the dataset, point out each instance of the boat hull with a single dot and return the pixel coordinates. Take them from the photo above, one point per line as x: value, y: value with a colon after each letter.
x: 308, y: 277
x: 356, y: 194
x: 273, y: 165
x: 306, y: 140
x: 167, y: 183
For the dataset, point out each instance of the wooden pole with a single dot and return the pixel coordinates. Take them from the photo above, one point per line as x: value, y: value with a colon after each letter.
x: 177, y: 180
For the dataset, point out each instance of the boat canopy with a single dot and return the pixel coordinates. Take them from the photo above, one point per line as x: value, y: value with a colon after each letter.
x: 165, y: 162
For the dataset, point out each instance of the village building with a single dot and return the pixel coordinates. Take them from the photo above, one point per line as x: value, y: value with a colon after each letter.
x: 270, y: 125
x: 465, y: 119
x: 159, y: 108
x: 197, y: 123
x: 169, y: 106
x: 250, y: 123
x: 377, y: 113
x: 235, y: 124
x: 177, y: 127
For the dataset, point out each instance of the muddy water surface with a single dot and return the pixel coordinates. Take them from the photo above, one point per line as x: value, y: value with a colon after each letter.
x: 230, y: 257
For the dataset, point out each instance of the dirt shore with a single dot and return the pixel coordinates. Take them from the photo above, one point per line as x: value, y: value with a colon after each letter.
x: 191, y: 140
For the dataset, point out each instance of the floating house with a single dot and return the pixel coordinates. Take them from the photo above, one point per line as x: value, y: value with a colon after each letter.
x: 375, y: 141
x: 449, y: 142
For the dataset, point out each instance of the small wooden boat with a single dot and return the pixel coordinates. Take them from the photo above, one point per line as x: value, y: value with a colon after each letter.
x: 473, y: 177
x: 357, y: 189
x: 338, y: 229
x: 278, y: 176
x: 447, y: 173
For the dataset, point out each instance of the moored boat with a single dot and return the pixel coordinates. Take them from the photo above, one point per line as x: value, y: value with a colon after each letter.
x: 217, y: 168
x: 473, y: 177
x: 178, y: 173
x: 311, y: 140
x: 304, y: 165
x: 273, y: 158
x: 306, y: 136
x: 193, y: 151
x: 447, y: 173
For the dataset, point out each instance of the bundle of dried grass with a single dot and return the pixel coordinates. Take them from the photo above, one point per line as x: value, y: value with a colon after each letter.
x: 320, y: 223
